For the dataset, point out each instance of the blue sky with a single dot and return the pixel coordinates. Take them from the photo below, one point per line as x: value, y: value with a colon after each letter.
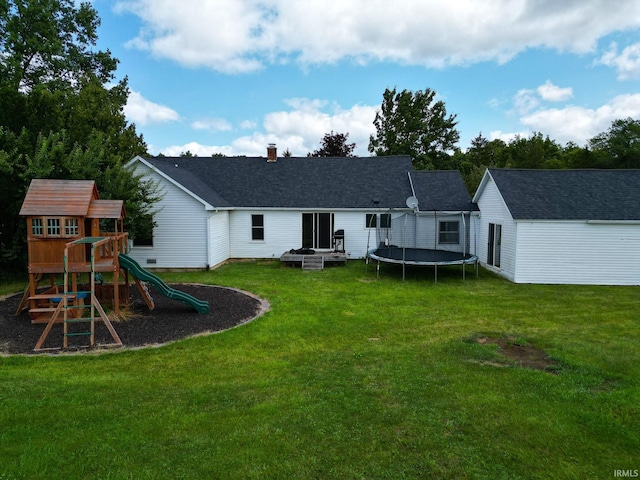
x: 231, y: 76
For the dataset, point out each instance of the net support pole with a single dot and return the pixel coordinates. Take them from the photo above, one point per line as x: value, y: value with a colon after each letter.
x: 464, y: 245
x: 404, y: 246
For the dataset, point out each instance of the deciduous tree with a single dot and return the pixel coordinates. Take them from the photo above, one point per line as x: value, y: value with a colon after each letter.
x: 59, y: 118
x: 334, y: 145
x: 415, y: 124
x: 619, y: 147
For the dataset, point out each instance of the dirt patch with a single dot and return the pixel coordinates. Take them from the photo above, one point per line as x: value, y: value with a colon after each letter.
x: 523, y: 355
x: 170, y: 320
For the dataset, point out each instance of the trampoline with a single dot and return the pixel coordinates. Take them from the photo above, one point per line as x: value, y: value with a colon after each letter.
x: 422, y: 257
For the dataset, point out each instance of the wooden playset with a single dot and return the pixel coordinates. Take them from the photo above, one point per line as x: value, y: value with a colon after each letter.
x: 73, y: 234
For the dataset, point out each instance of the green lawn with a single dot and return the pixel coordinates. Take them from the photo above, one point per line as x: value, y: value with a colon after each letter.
x: 346, y: 377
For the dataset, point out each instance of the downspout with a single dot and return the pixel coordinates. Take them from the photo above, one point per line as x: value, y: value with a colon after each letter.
x: 208, y: 243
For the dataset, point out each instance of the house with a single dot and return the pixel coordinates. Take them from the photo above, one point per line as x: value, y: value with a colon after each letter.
x: 561, y: 226
x: 220, y: 208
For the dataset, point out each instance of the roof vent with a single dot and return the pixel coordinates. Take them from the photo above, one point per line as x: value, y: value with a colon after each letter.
x: 272, y: 153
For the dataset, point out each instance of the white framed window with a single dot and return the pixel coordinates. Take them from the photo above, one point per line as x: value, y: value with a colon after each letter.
x: 449, y: 232
x: 257, y: 227
x: 494, y: 244
x: 373, y: 220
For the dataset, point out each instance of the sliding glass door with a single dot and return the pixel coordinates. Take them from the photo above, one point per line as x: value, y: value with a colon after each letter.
x: 317, y: 230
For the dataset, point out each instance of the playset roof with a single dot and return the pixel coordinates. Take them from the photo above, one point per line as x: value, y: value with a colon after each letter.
x: 49, y: 197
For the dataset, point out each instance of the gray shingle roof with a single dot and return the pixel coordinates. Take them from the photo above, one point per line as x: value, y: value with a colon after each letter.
x: 570, y: 194
x: 301, y: 182
x: 441, y: 190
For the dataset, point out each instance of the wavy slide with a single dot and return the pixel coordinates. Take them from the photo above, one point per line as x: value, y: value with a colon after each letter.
x: 140, y: 273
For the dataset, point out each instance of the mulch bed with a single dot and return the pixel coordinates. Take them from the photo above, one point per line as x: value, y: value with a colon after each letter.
x: 170, y: 320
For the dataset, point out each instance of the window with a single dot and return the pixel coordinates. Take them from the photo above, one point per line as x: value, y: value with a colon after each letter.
x: 144, y: 231
x: 257, y: 227
x: 36, y: 226
x: 372, y: 220
x: 53, y: 227
x: 384, y: 220
x: 494, y: 244
x: 449, y: 232
x: 71, y: 227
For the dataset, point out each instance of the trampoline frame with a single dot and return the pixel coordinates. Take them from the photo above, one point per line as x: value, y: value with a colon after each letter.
x: 423, y: 256
x: 409, y: 258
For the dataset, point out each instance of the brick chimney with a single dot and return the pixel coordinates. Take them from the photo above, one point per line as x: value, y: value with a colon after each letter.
x: 272, y: 153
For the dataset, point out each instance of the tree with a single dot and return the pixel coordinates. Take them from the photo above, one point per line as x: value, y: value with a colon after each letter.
x: 334, y: 145
x: 618, y: 147
x: 50, y: 43
x: 59, y: 118
x: 411, y: 123
x: 482, y: 154
x: 534, y: 152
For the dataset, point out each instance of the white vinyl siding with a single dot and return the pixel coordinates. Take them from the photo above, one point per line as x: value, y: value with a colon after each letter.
x: 218, y: 238
x: 180, y: 237
x: 493, y: 210
x: 556, y: 252
x: 282, y: 232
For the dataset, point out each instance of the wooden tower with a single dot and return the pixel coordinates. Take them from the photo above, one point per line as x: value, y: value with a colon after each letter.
x: 70, y: 233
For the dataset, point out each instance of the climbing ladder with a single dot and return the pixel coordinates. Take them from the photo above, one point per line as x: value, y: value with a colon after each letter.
x: 71, y: 305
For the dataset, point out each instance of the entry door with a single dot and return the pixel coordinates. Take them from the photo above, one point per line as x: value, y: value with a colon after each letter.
x: 494, y: 244
x: 317, y: 230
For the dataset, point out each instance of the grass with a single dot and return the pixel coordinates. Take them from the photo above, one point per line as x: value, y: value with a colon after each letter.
x: 345, y: 377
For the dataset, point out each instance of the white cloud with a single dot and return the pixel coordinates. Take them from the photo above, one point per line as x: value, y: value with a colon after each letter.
x: 298, y: 129
x: 309, y: 121
x: 193, y: 147
x: 212, y: 124
x: 627, y: 63
x: 237, y: 36
x: 553, y: 93
x: 248, y: 125
x: 141, y: 111
x: 507, y: 136
x: 579, y: 124
x: 527, y: 100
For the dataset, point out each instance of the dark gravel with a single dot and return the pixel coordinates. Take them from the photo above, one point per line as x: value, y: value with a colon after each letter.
x: 170, y: 320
